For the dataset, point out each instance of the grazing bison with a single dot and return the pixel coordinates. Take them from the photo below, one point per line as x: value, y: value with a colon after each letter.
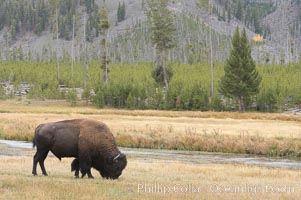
x: 90, y: 142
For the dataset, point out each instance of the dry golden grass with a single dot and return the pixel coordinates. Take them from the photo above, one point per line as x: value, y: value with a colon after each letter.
x: 62, y: 107
x: 255, y: 133
x: 227, y: 132
x: 147, y: 178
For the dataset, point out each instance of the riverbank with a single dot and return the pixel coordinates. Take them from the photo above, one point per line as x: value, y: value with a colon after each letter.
x: 22, y: 148
x: 245, y: 133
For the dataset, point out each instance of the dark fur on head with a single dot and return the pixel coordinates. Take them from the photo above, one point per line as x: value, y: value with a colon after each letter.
x: 112, y: 168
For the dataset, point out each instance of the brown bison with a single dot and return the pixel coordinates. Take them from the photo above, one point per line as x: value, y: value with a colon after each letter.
x: 90, y: 142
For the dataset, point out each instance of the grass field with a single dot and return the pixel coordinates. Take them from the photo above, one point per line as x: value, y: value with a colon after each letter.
x: 153, y: 178
x: 251, y: 133
x: 147, y: 178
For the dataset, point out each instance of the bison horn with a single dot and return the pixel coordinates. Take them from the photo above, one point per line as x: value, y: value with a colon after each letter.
x: 116, y: 157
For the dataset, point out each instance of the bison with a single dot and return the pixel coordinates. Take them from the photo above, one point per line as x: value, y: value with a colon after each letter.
x: 90, y: 142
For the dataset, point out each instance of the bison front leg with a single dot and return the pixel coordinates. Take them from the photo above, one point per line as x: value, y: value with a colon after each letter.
x: 75, y: 166
x: 86, y: 172
x: 89, y: 173
x: 84, y: 157
x: 85, y: 167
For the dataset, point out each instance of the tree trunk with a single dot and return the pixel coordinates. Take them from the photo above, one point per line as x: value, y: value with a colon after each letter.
x: 241, y: 104
x: 85, y: 56
x: 104, y: 60
x: 211, y: 57
x: 72, y: 52
x: 164, y: 70
x: 57, y: 48
x: 161, y: 62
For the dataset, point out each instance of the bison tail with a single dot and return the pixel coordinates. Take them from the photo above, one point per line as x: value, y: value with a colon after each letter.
x: 35, y: 133
x: 33, y: 142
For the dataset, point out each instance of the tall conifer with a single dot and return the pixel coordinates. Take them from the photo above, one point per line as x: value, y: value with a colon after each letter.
x: 163, y: 30
x: 121, y: 12
x: 104, y: 25
x: 241, y: 80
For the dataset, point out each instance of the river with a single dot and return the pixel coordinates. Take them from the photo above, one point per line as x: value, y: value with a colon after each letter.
x: 21, y: 148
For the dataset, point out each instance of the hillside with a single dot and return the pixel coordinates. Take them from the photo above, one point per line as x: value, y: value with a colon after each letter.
x: 35, y: 38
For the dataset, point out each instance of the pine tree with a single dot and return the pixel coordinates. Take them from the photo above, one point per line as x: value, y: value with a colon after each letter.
x: 256, y: 21
x: 239, y: 11
x: 163, y: 29
x: 121, y: 12
x: 241, y: 80
x: 103, y: 29
x: 228, y: 9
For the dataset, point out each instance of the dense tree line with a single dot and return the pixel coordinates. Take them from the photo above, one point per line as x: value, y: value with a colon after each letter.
x: 40, y: 15
x: 67, y: 11
x: 24, y: 15
x: 250, y: 13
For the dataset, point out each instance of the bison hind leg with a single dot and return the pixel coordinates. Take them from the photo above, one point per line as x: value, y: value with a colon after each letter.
x: 35, y: 163
x: 41, y: 162
x: 39, y: 157
x: 75, y: 167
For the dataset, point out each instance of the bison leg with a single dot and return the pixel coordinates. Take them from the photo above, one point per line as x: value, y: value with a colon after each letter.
x: 35, y: 163
x: 75, y: 167
x: 85, y: 168
x: 41, y: 162
x: 76, y: 173
x: 83, y: 173
x: 89, y: 173
x: 40, y: 156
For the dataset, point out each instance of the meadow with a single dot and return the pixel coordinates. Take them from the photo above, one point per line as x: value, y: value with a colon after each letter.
x: 272, y: 134
x: 149, y: 177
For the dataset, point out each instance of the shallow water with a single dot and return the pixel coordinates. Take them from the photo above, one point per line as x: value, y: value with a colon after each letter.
x: 17, y: 144
x: 14, y: 148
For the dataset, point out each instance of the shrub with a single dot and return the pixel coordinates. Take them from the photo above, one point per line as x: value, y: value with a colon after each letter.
x: 130, y: 101
x: 98, y: 99
x: 2, y: 92
x: 72, y: 97
x: 267, y: 100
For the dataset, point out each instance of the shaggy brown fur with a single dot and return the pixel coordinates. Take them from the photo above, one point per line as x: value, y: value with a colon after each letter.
x: 89, y: 141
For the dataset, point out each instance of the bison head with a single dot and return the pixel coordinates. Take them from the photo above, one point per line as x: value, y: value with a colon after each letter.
x: 113, y: 166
